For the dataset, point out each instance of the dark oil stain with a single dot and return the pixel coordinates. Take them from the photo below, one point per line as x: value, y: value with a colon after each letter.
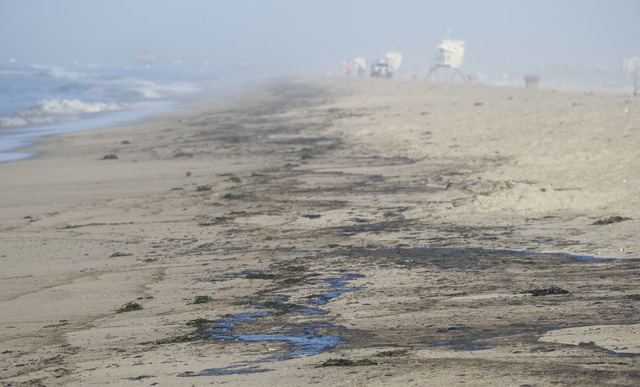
x: 303, y: 339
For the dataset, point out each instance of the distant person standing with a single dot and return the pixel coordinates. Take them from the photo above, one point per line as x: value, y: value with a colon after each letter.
x: 347, y: 68
x: 361, y: 65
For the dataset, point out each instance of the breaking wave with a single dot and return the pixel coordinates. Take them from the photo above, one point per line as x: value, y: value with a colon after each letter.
x: 36, y: 94
x: 55, y: 110
x: 65, y: 106
x: 57, y: 72
x: 139, y: 88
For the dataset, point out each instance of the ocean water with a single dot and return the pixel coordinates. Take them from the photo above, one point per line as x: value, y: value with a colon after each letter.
x: 40, y: 100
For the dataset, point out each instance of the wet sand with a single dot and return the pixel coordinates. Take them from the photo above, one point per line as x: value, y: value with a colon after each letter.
x: 331, y: 231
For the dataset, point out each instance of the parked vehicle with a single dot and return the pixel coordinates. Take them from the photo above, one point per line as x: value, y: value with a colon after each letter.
x: 381, y: 68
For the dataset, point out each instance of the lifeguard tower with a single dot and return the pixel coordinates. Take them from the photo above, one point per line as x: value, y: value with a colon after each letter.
x: 395, y: 60
x: 452, y: 56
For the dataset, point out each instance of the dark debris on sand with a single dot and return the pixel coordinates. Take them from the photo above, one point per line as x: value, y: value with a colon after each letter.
x: 610, y: 220
x: 546, y: 292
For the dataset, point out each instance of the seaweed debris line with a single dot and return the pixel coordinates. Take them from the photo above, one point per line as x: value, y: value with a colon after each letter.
x: 302, y: 339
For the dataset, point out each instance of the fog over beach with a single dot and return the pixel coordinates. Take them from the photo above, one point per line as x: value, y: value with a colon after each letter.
x: 292, y: 37
x: 293, y: 193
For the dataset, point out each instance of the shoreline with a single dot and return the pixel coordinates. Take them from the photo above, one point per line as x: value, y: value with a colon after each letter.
x: 380, y: 217
x: 17, y: 138
x: 23, y: 137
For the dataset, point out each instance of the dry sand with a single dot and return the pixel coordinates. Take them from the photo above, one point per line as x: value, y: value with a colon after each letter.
x: 422, y: 233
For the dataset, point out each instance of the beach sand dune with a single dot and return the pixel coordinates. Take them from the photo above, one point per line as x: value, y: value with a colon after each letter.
x: 330, y: 231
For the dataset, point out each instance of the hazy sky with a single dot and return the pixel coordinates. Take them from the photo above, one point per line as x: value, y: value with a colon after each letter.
x: 298, y: 35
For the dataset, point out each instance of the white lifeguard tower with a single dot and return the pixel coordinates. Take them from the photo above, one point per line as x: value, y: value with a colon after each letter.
x: 452, y: 56
x: 395, y: 60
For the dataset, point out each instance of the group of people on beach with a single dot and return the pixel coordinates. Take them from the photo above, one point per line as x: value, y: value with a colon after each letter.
x: 347, y: 68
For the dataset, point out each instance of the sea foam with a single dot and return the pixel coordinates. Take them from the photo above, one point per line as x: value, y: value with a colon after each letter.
x: 55, y: 110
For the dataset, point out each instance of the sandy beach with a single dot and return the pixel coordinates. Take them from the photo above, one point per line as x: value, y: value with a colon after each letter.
x: 331, y: 231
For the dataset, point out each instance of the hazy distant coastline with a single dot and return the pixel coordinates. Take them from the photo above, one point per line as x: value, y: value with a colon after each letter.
x: 41, y: 100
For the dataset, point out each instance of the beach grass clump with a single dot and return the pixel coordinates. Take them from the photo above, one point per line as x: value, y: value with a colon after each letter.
x: 129, y: 307
x: 202, y: 188
x: 111, y: 156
